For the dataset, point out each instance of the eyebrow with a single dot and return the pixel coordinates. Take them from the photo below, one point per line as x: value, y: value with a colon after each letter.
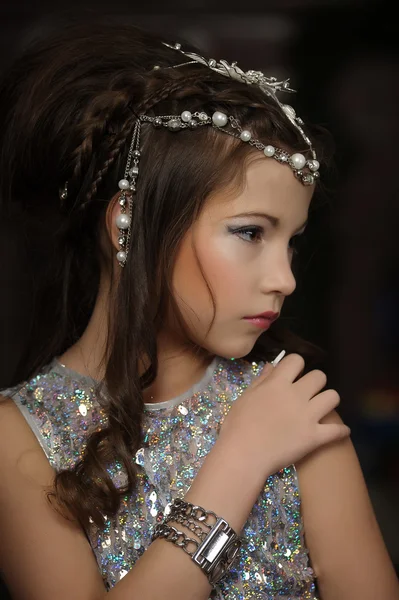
x: 273, y: 220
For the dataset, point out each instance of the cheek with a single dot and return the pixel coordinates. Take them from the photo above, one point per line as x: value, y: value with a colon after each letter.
x: 213, y: 260
x: 188, y: 281
x: 225, y: 267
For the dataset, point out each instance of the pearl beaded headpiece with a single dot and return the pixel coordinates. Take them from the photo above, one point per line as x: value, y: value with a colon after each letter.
x: 269, y: 85
x: 306, y: 170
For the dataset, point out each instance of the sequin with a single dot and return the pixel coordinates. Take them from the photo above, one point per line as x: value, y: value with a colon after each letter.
x: 140, y: 457
x: 63, y: 409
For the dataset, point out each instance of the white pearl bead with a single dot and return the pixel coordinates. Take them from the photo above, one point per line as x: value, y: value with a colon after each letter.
x: 124, y: 184
x: 269, y: 151
x: 186, y: 116
x: 289, y: 111
x: 245, y: 135
x: 219, y: 119
x: 122, y: 221
x: 298, y: 160
x: 313, y: 165
x: 121, y: 256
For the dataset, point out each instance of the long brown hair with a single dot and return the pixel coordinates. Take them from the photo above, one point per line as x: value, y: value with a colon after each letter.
x: 67, y: 111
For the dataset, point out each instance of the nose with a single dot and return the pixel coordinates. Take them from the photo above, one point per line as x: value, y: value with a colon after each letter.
x: 277, y: 275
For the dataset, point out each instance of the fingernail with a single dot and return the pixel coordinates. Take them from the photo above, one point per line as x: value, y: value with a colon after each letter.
x: 279, y: 357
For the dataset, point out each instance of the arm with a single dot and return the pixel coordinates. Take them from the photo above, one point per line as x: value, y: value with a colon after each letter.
x: 44, y: 556
x: 345, y: 544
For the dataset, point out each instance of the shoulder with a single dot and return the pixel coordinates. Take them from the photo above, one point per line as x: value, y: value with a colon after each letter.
x: 61, y: 413
x: 20, y: 451
x: 340, y: 454
x: 36, y: 538
x: 328, y: 470
x: 341, y: 529
x: 337, y: 459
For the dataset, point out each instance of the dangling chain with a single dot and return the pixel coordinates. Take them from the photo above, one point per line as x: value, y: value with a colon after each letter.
x: 127, y: 185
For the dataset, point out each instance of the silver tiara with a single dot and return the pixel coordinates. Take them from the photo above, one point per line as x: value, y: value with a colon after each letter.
x: 269, y: 85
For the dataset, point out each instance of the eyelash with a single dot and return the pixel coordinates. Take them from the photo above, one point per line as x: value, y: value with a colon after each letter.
x: 260, y: 231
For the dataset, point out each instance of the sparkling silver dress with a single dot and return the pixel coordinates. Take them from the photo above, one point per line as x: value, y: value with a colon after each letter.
x: 62, y: 408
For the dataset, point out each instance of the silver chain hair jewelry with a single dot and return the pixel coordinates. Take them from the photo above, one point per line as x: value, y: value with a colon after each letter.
x: 268, y: 85
x: 305, y: 170
x: 127, y: 185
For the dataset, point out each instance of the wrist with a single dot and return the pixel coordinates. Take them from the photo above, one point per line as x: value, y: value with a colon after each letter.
x: 215, y: 545
x: 255, y: 463
x: 227, y: 485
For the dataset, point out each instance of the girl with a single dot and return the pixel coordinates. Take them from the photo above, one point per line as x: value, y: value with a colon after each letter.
x: 148, y: 448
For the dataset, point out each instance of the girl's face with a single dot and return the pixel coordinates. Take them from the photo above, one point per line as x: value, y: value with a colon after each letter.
x: 242, y: 242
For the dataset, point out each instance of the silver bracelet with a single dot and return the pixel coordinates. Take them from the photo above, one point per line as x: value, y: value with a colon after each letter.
x: 218, y: 548
x: 191, y: 525
x: 188, y: 510
x: 171, y: 534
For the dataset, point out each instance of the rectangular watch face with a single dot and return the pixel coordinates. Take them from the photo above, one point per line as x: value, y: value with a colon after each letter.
x: 212, y: 552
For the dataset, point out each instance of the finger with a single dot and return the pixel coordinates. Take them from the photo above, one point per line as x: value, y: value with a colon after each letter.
x: 290, y: 367
x: 311, y: 384
x: 331, y: 432
x: 269, y: 367
x: 322, y: 404
x: 266, y: 371
x: 278, y: 358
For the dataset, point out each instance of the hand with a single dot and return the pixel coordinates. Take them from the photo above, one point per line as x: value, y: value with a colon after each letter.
x: 276, y: 421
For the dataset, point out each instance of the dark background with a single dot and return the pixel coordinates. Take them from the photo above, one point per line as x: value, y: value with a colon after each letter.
x: 342, y: 58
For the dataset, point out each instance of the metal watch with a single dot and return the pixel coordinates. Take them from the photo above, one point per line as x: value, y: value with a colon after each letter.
x: 217, y: 552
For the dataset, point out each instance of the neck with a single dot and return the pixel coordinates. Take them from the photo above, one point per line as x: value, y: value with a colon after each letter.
x: 179, y: 368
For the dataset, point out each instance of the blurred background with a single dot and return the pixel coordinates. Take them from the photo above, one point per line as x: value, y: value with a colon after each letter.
x: 342, y: 57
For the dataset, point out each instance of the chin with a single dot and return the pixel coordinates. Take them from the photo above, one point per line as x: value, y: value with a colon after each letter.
x: 234, y: 348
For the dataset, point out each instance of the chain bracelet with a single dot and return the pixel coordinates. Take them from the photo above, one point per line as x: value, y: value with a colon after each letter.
x: 187, y: 510
x: 216, y: 547
x: 189, y: 524
x: 180, y: 539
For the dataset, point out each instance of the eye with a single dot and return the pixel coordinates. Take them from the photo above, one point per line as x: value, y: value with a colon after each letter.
x: 248, y: 234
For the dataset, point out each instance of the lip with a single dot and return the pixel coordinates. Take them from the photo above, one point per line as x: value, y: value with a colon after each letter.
x: 269, y: 316
x: 264, y: 320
